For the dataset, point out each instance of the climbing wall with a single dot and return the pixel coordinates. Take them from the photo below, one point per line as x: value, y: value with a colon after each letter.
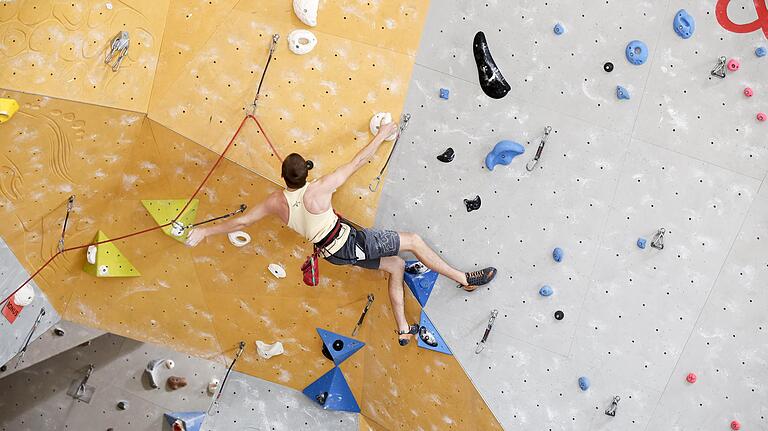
x: 685, y: 152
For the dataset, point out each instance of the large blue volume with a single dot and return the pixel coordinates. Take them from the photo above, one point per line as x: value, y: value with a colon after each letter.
x: 339, y: 346
x: 421, y: 285
x: 441, y: 347
x: 332, y: 392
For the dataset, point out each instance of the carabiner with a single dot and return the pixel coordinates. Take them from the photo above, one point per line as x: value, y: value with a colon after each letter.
x: 491, y: 320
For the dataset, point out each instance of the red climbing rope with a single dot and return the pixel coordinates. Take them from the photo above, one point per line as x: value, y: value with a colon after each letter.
x: 207, y: 177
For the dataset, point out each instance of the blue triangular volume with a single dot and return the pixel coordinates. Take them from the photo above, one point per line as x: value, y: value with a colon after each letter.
x: 333, y: 389
x: 339, y: 346
x: 441, y: 347
x: 421, y: 285
x: 193, y: 421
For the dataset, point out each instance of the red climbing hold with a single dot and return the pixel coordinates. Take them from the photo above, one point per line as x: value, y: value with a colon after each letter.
x: 748, y: 92
x: 735, y: 425
x: 733, y: 65
x: 761, y: 116
x: 691, y: 378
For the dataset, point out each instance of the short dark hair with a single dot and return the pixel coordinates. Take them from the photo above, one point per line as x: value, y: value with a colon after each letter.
x: 295, y: 171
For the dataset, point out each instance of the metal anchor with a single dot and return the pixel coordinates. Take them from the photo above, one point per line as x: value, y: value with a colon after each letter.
x: 658, y: 239
x: 719, y: 69
x: 532, y: 164
x: 611, y: 410
x: 491, y: 320
x: 403, y: 125
x: 119, y: 46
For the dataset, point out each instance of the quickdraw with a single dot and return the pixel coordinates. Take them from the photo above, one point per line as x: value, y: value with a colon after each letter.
x: 240, y: 349
x: 362, y: 316
x: 29, y: 336
x: 658, y: 239
x: 530, y: 166
x: 491, y: 320
x: 719, y: 69
x: 178, y: 229
x: 272, y: 47
x: 374, y: 185
x: 70, y: 205
x: 119, y: 47
x: 611, y: 410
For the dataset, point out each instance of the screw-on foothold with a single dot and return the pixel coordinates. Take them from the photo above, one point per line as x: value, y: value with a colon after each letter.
x: 559, y: 315
x: 622, y: 93
x: 735, y: 425
x: 733, y: 65
x: 691, y: 378
x: 761, y: 116
x: 546, y: 290
x: 641, y: 243
x: 559, y: 29
x: 748, y: 92
x: 557, y: 254
x: 761, y: 51
x: 583, y: 383
x: 608, y: 67
x: 444, y: 93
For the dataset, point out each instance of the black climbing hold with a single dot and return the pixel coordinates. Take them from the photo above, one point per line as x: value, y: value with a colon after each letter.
x: 447, y: 155
x: 608, y: 67
x: 327, y: 353
x: 310, y: 165
x: 58, y: 332
x: 559, y: 315
x: 338, y: 345
x: 473, y: 204
x: 427, y: 337
x: 321, y: 398
x: 3, y: 368
x: 491, y: 80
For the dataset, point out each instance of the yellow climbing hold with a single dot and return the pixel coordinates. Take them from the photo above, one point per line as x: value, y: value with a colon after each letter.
x: 164, y: 211
x: 107, y: 261
x: 8, y: 107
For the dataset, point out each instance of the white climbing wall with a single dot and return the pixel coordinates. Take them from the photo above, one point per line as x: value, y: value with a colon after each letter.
x: 685, y: 153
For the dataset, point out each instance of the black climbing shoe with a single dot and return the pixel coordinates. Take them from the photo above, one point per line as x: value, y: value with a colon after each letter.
x: 447, y: 155
x: 427, y: 337
x: 479, y: 278
x: 491, y: 80
x: 473, y: 204
x: 413, y: 330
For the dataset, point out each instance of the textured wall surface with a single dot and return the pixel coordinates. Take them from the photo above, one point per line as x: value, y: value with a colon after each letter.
x: 685, y: 153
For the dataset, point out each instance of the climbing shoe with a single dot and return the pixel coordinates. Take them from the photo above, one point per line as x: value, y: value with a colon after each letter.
x: 427, y: 337
x: 479, y: 278
x: 413, y: 330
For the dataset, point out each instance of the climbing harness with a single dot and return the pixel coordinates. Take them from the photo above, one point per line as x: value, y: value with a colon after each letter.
x: 70, y: 205
x: 272, y: 47
x: 611, y: 410
x: 374, y: 185
x: 362, y: 316
x: 719, y: 69
x: 240, y: 349
x: 658, y: 239
x: 532, y: 164
x: 491, y: 320
x: 177, y: 228
x: 29, y: 337
x: 80, y: 390
x: 119, y: 47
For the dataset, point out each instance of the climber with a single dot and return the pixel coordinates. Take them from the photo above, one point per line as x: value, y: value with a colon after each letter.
x: 306, y: 208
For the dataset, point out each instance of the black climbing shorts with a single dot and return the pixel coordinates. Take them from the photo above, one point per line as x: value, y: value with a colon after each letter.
x: 366, y: 247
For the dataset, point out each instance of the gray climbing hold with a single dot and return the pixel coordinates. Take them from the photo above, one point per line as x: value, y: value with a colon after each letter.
x: 152, y: 371
x: 637, y: 52
x: 583, y: 383
x: 622, y: 93
x: 684, y: 24
x: 559, y: 29
x: 761, y: 51
x: 546, y: 290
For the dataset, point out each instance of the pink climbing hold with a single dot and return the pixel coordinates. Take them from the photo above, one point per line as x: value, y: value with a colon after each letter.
x: 761, y: 116
x: 691, y: 378
x: 748, y: 92
x: 733, y: 65
x: 735, y: 425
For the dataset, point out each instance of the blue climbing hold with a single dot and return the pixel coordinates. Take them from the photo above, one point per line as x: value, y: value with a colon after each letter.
x: 622, y: 93
x: 444, y: 92
x: 420, y: 279
x: 332, y: 392
x: 192, y: 421
x: 557, y: 254
x: 503, y: 153
x: 429, y: 328
x: 641, y: 243
x: 546, y: 290
x: 338, y: 346
x: 684, y: 24
x: 761, y: 51
x: 583, y: 383
x: 559, y: 29
x: 637, y: 52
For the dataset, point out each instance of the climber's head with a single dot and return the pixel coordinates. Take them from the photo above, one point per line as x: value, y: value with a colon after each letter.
x: 295, y: 171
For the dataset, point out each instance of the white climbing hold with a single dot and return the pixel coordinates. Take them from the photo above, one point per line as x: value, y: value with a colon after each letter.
x: 277, y: 270
x: 301, y: 41
x: 24, y: 296
x: 169, y: 364
x: 90, y: 255
x: 381, y: 118
x: 213, y: 385
x: 239, y: 238
x: 306, y: 11
x: 109, y: 5
x: 267, y: 351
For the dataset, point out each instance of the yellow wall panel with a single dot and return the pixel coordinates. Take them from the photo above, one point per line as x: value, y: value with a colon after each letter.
x: 56, y: 48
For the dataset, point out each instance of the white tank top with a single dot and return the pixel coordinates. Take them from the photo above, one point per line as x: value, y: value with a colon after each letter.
x: 313, y: 227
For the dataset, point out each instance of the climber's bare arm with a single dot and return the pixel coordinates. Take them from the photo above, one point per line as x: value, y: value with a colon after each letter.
x: 270, y: 206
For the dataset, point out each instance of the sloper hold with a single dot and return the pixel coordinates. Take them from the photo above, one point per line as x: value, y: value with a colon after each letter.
x: 8, y: 107
x: 332, y: 392
x: 684, y: 24
x: 622, y: 93
x: 491, y: 80
x: 193, y: 421
x: 165, y: 210
x: 421, y: 285
x: 441, y: 347
x: 338, y: 346
x: 110, y: 262
x: 637, y: 52
x: 503, y: 153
